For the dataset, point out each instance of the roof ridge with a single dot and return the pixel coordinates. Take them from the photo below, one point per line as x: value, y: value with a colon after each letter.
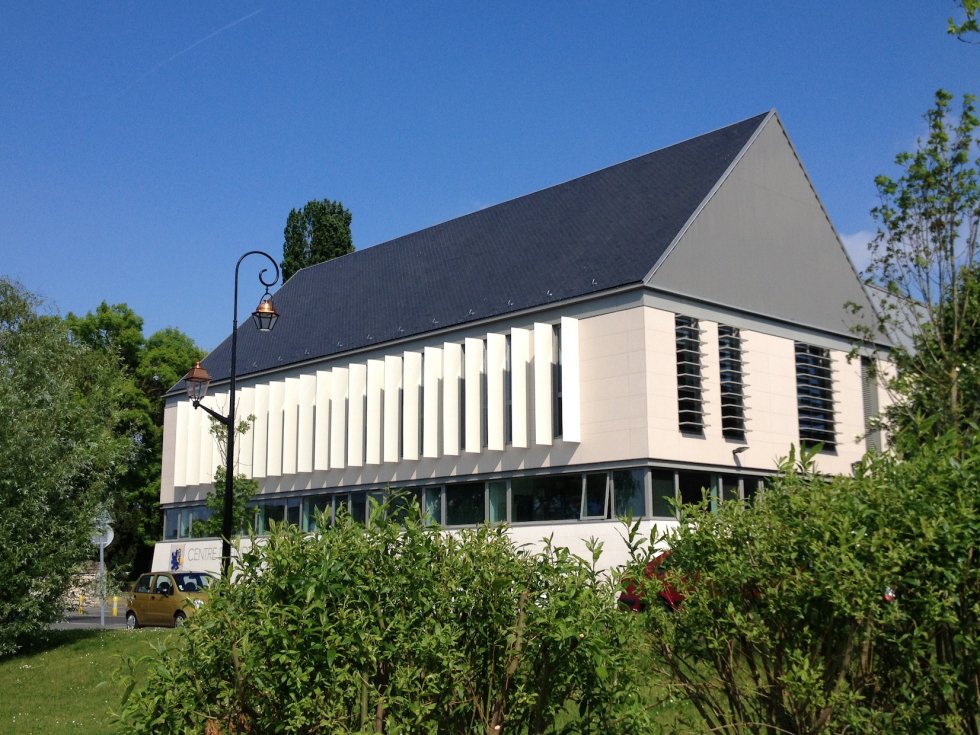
x: 763, y: 115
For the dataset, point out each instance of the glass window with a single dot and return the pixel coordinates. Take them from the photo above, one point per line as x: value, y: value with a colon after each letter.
x: 358, y: 507
x: 815, y: 397
x: 750, y: 487
x: 195, y: 517
x: 687, y: 333
x: 170, y: 519
x: 554, y: 498
x: 728, y: 484
x: 162, y: 584
x: 293, y: 507
x: 465, y: 504
x: 373, y: 498
x: 403, y: 504
x: 433, y: 504
x: 663, y: 493
x: 193, y: 581
x: 498, y: 501
x: 320, y: 507
x: 184, y: 523
x: 730, y: 369
x: 270, y: 513
x: 630, y: 493
x: 595, y: 499
x: 694, y: 486
x: 144, y: 583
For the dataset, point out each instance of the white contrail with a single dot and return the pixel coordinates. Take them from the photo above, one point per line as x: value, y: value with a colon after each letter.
x: 189, y: 48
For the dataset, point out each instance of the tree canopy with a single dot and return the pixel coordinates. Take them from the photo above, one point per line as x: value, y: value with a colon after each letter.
x: 146, y: 369
x: 924, y: 265
x: 60, y: 453
x: 318, y: 232
x: 963, y: 27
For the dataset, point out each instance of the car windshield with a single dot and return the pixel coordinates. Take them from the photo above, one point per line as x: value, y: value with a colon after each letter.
x: 193, y: 581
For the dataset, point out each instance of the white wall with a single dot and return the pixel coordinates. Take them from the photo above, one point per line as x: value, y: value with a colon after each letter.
x: 205, y: 554
x: 621, y: 365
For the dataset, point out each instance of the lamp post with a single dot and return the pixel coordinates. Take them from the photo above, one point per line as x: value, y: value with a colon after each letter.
x: 197, y: 381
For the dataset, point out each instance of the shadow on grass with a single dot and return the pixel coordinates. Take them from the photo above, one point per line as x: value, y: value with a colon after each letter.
x: 51, y: 639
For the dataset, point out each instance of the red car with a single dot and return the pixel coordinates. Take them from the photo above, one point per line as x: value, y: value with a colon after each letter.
x: 671, y: 598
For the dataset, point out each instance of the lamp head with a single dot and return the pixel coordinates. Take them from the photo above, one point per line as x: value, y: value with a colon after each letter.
x: 197, y: 381
x: 265, y: 315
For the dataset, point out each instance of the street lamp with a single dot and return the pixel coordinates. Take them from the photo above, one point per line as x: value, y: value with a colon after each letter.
x: 197, y: 381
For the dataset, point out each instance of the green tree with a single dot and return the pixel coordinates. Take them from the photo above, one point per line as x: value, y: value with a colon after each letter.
x: 318, y: 232
x: 924, y: 265
x: 147, y: 369
x: 60, y: 456
x: 968, y: 24
x: 162, y: 363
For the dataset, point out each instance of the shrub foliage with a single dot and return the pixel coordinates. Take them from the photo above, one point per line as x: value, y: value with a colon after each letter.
x: 844, y: 604
x: 396, y: 627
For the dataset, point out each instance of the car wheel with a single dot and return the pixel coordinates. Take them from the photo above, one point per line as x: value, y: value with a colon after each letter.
x: 131, y: 622
x: 179, y: 619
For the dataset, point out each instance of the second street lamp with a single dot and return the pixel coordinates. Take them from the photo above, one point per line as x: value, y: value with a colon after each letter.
x: 197, y: 381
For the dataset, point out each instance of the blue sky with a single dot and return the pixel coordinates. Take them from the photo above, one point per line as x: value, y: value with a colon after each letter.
x: 145, y: 146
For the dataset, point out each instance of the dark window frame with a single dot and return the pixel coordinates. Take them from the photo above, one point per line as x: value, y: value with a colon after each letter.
x: 690, y: 387
x: 731, y: 371
x: 815, y: 397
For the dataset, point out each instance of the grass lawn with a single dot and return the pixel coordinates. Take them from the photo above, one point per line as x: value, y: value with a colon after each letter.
x: 70, y: 683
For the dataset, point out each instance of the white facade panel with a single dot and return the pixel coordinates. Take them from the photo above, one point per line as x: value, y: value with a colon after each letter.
x: 452, y: 376
x: 321, y: 420
x: 261, y: 430
x: 473, y: 371
x: 304, y: 426
x: 520, y: 351
x: 170, y: 454
x: 277, y: 396
x: 431, y: 414
x: 769, y: 376
x: 616, y: 384
x: 375, y: 411
x: 206, y: 459
x: 183, y: 420
x: 290, y: 426
x: 849, y: 410
x: 496, y: 364
x: 356, y: 398
x: 392, y: 401
x: 338, y: 418
x: 411, y: 388
x: 244, y: 443
x: 192, y: 447
x: 211, y: 455
x: 571, y: 392
x: 542, y: 359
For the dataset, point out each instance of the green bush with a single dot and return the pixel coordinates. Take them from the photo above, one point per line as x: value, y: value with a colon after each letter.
x: 789, y: 622
x: 398, y: 628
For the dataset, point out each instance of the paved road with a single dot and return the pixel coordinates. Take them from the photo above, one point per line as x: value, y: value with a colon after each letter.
x: 90, y: 619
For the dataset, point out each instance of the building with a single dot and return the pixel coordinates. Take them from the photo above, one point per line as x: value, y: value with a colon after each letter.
x: 668, y: 324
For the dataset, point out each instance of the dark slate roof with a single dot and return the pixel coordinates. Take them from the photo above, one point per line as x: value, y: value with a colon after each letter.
x: 598, y: 232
